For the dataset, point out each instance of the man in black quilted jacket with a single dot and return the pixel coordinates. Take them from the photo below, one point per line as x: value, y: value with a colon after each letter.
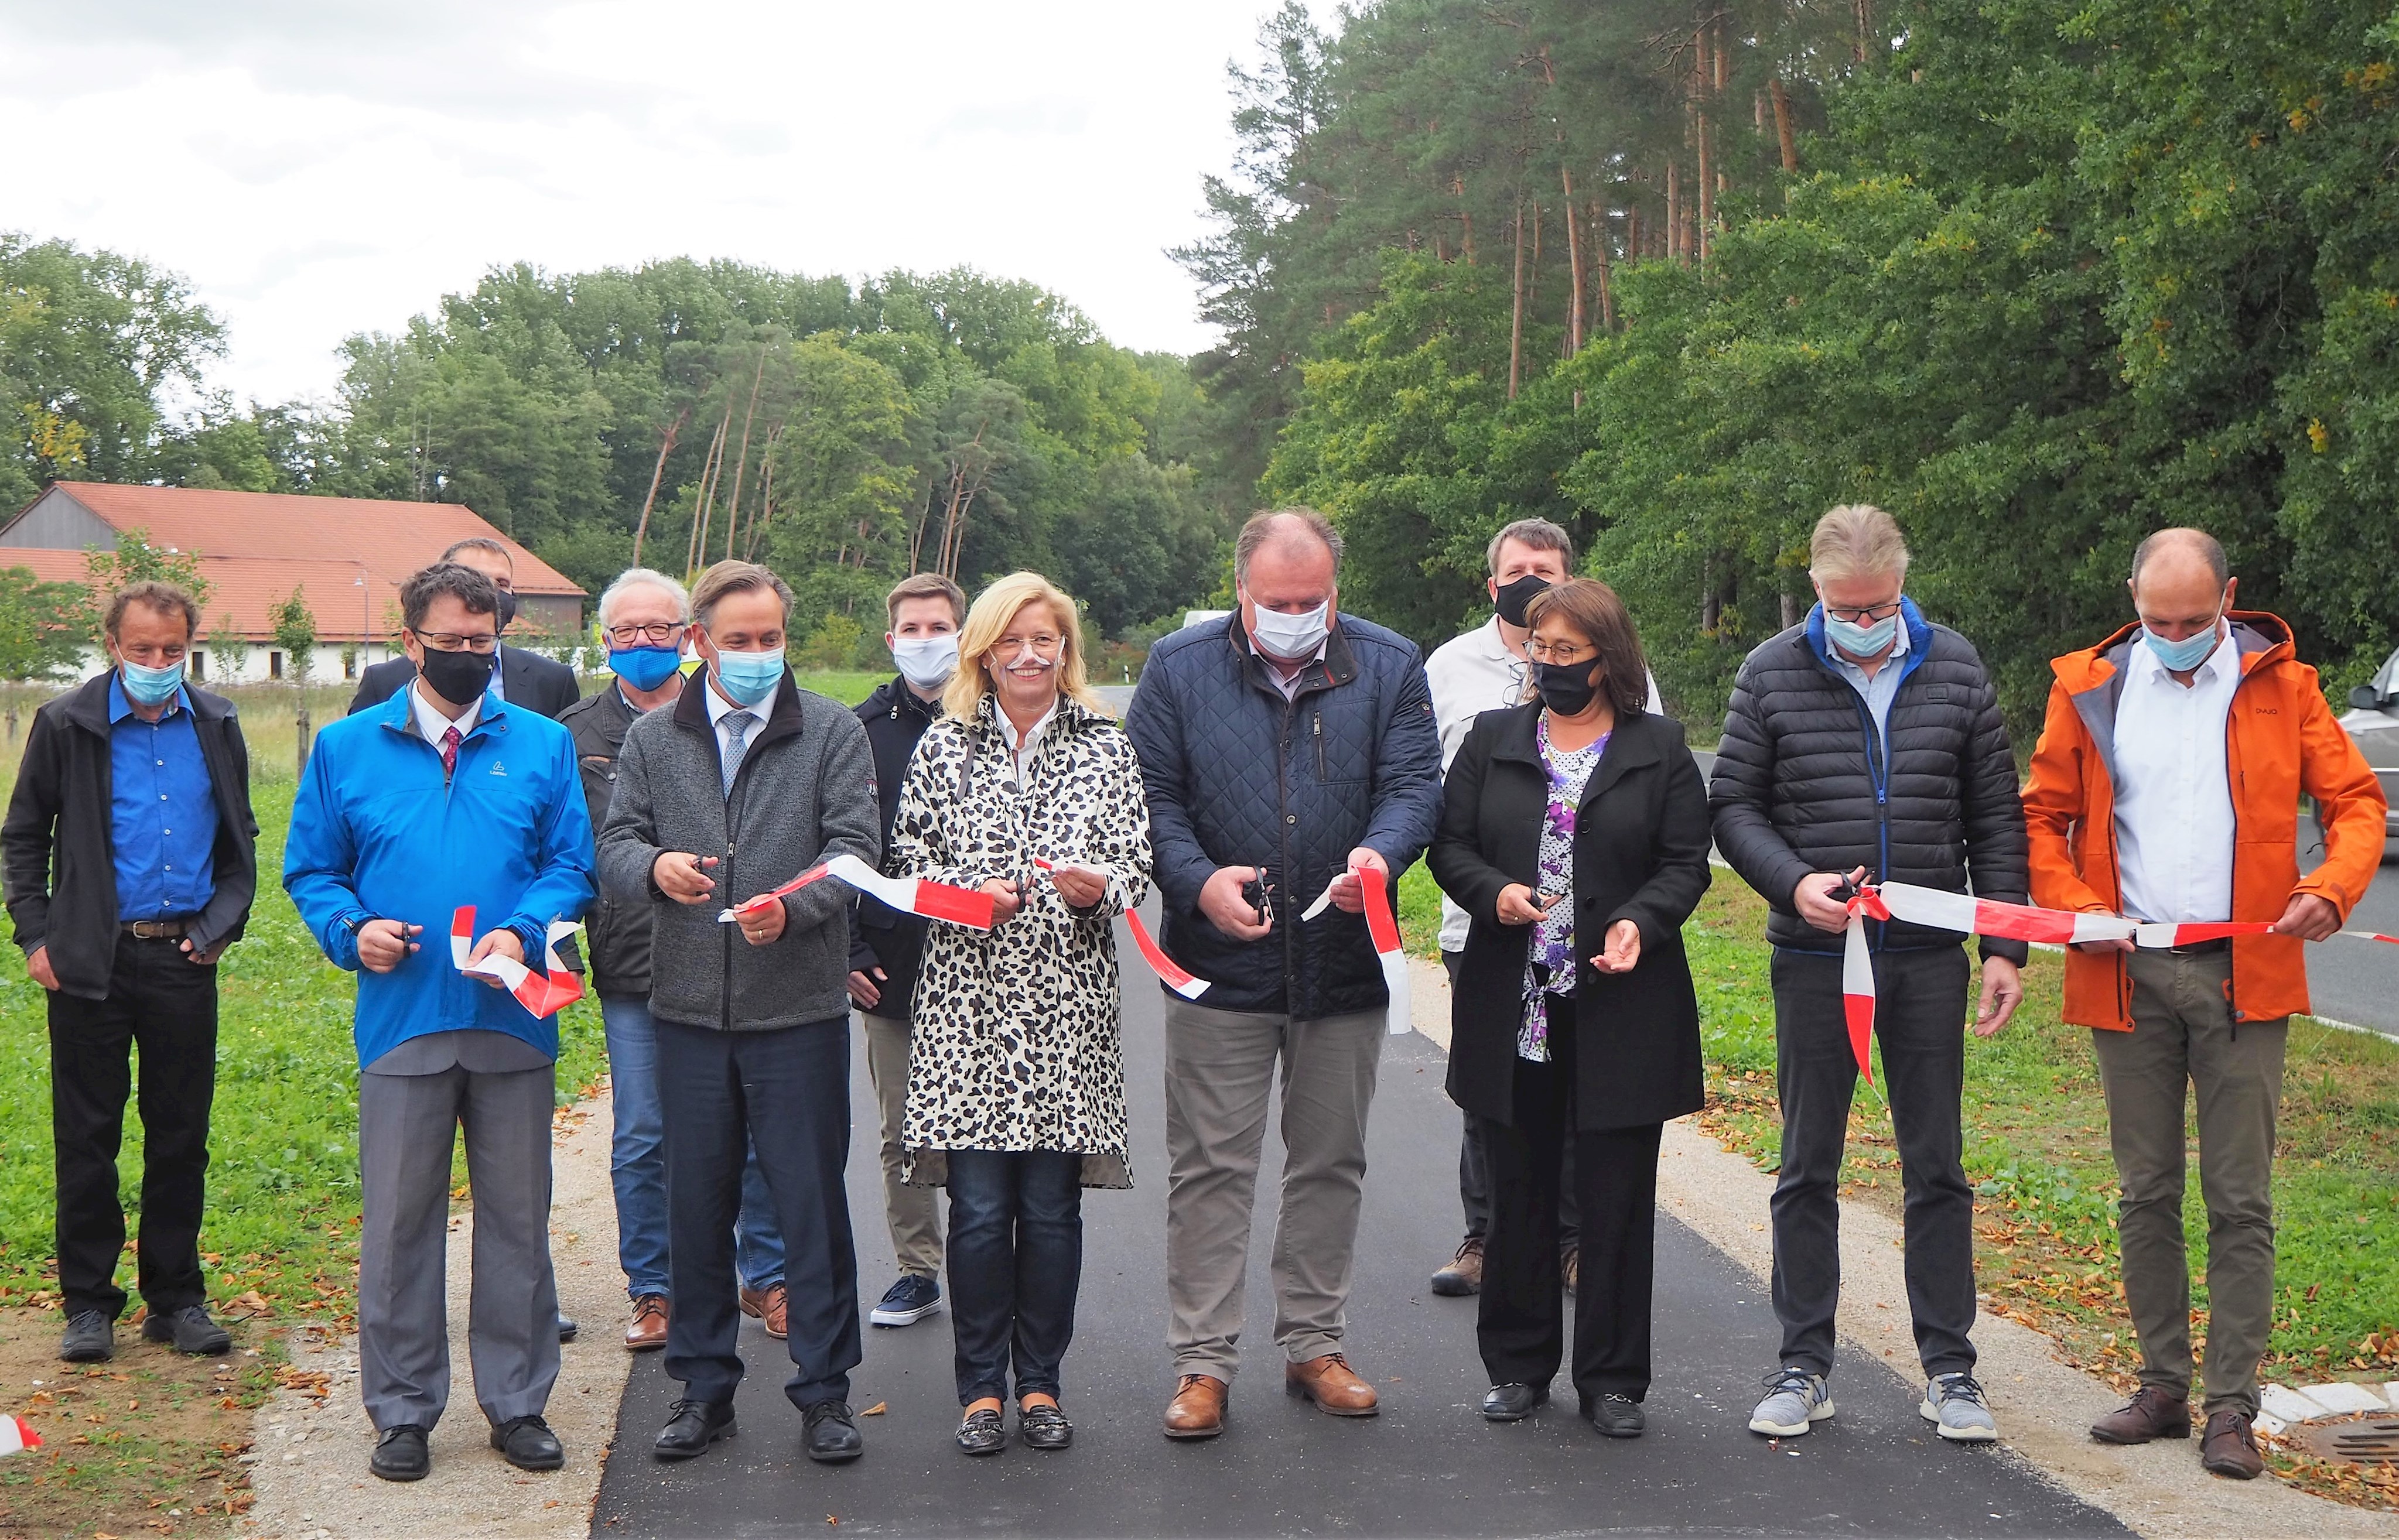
x: 1866, y: 741
x: 1287, y: 750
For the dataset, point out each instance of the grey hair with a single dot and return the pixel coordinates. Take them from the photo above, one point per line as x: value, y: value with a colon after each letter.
x: 1276, y: 526
x: 1857, y: 540
x: 2210, y: 550
x: 1533, y: 533
x: 634, y: 577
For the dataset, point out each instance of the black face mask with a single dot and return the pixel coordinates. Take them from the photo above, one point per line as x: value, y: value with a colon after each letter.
x: 457, y: 677
x: 507, y: 609
x: 1514, y: 596
x: 1566, y: 688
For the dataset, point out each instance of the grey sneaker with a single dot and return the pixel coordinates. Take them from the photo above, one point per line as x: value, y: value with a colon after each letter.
x: 90, y: 1338
x: 1794, y: 1398
x: 1955, y: 1401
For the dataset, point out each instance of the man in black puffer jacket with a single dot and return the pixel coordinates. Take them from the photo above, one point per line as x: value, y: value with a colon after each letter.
x: 1867, y: 741
x: 1293, y: 746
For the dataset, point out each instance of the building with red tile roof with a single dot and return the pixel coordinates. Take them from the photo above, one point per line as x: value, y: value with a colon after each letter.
x: 347, y: 556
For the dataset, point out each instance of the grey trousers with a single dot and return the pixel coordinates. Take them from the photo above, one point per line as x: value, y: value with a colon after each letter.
x: 913, y: 1213
x: 1220, y: 1072
x: 407, y: 1127
x: 2184, y: 1040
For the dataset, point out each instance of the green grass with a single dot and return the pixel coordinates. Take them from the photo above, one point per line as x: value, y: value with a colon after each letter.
x: 283, y: 1187
x: 2037, y: 1149
x: 846, y: 686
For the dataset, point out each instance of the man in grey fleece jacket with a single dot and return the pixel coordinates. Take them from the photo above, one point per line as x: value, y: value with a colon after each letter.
x: 739, y: 785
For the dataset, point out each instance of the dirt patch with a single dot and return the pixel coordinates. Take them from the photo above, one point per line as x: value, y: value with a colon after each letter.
x: 150, y: 1442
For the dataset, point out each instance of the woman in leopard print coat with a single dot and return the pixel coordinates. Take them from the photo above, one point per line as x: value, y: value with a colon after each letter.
x: 1016, y: 1069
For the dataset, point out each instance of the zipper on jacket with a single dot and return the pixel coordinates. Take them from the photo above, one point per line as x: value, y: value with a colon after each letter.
x: 1283, y: 798
x: 1879, y: 773
x: 1317, y: 729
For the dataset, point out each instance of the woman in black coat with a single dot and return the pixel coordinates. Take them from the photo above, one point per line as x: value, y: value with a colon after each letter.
x: 1575, y: 833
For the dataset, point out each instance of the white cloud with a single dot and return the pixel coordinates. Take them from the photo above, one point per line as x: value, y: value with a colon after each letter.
x: 319, y: 169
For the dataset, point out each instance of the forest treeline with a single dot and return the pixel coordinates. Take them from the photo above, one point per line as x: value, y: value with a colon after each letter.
x: 683, y: 411
x: 2037, y: 276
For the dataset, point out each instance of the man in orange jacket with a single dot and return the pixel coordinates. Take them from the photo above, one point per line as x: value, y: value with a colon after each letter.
x: 2166, y: 787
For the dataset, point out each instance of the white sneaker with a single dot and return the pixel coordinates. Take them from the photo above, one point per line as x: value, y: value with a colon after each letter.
x: 1955, y: 1401
x: 1795, y: 1399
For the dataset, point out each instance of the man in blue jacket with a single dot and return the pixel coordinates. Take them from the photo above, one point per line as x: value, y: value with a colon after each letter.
x: 1287, y: 750
x: 439, y: 798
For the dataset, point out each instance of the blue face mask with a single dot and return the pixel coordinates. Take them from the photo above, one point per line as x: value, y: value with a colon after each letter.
x: 644, y: 668
x: 1861, y: 641
x: 151, y: 686
x: 2181, y: 658
x: 749, y: 677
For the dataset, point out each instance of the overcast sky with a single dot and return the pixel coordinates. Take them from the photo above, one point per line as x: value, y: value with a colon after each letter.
x: 322, y: 167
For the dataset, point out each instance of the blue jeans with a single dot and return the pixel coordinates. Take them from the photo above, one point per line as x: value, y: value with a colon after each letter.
x: 637, y: 1167
x: 1016, y: 1262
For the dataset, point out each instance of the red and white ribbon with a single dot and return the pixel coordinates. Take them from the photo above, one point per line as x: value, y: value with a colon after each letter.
x: 17, y: 1436
x: 959, y: 906
x: 1384, y: 929
x: 1169, y: 971
x: 1987, y: 917
x: 544, y: 993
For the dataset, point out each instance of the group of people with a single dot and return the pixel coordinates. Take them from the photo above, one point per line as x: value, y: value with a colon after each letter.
x: 1273, y: 768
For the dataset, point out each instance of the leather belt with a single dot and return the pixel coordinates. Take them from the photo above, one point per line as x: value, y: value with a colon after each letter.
x: 2202, y: 949
x: 156, y: 930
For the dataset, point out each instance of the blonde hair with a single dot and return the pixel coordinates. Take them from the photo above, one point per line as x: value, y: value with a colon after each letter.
x: 995, y: 609
x: 1857, y: 540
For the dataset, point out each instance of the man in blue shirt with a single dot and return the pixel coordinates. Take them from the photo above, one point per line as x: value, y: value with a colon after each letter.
x: 135, y: 791
x: 439, y: 798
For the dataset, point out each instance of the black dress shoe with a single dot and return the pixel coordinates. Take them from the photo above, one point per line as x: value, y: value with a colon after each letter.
x: 567, y: 1326
x: 694, y: 1427
x: 399, y: 1454
x: 1616, y: 1416
x: 982, y: 1433
x: 189, y: 1328
x: 1508, y: 1403
x: 831, y: 1437
x: 528, y: 1444
x: 1042, y: 1425
x: 90, y: 1338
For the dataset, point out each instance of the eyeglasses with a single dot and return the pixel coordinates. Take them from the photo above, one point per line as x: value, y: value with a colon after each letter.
x: 657, y: 634
x: 451, y: 642
x: 1872, y: 615
x: 1040, y: 642
x: 1558, y: 652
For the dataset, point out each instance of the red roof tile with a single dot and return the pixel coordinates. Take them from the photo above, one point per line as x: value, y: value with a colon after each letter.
x: 393, y: 539
x: 243, y: 589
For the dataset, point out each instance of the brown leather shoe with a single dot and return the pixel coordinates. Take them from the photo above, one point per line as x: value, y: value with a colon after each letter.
x: 1197, y: 1410
x: 1330, y: 1382
x: 2226, y: 1448
x: 648, y: 1328
x: 2151, y: 1413
x: 765, y: 1304
x: 1463, y: 1274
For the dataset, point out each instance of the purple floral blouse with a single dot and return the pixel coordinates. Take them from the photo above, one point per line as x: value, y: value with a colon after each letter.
x: 1549, y: 959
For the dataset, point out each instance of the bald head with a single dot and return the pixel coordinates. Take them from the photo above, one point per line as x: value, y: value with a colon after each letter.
x: 2181, y: 583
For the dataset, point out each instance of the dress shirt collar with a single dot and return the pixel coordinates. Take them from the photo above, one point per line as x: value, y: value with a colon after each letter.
x: 719, y: 708
x: 1030, y: 739
x: 431, y: 724
x: 1851, y: 666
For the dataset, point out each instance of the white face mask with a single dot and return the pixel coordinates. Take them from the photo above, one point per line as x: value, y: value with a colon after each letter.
x: 1291, y: 636
x: 927, y: 662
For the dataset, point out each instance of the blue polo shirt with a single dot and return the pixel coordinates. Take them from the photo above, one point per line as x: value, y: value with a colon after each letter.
x: 162, y: 811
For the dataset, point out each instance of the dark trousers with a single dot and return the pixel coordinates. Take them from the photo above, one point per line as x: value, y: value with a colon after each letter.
x: 1474, y: 1165
x: 1520, y: 1319
x: 1919, y: 1019
x: 159, y: 998
x: 787, y: 1092
x: 1016, y: 1262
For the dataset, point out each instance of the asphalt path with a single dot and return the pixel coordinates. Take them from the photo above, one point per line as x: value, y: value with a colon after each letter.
x: 1428, y: 1466
x: 2352, y: 979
